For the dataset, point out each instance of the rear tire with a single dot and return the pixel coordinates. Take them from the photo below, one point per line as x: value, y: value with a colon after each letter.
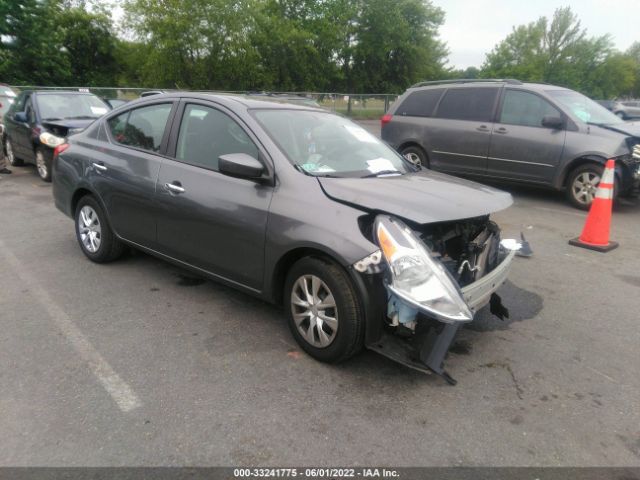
x: 11, y: 156
x: 323, y: 311
x: 415, y: 155
x: 97, y: 240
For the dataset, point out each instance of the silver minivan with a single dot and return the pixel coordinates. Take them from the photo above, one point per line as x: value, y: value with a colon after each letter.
x: 509, y: 130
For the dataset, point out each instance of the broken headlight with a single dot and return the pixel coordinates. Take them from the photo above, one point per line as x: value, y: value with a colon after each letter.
x: 416, y: 276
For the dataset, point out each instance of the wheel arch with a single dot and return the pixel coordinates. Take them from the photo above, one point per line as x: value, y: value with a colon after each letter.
x: 288, y: 259
x: 82, y: 191
x: 561, y: 181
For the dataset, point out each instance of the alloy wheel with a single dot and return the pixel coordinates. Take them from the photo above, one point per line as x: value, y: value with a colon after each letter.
x: 314, y: 310
x: 585, y: 186
x: 10, y: 156
x: 43, y: 171
x: 413, y: 158
x: 89, y: 228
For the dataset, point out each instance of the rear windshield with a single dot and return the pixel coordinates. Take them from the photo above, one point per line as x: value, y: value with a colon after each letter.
x: 59, y: 106
x: 324, y: 144
x: 584, y: 108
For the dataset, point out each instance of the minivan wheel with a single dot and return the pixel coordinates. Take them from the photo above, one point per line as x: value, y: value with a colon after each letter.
x: 43, y: 165
x: 621, y: 115
x: 96, y: 239
x: 11, y: 156
x: 415, y: 155
x: 323, y: 310
x: 582, y: 185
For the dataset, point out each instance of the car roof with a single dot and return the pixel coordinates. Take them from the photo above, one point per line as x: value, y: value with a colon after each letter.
x: 249, y: 101
x: 466, y: 83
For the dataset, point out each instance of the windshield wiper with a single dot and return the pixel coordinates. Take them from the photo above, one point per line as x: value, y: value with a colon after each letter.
x: 383, y: 172
x: 81, y: 117
x: 51, y: 119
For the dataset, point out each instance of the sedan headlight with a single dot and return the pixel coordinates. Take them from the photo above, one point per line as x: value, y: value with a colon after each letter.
x: 416, y: 276
x: 51, y: 140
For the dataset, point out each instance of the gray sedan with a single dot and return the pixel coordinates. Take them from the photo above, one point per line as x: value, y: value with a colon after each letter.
x: 297, y: 206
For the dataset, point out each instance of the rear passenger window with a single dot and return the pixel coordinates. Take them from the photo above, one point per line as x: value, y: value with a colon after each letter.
x: 207, y: 133
x: 468, y: 104
x: 142, y: 127
x: 420, y: 103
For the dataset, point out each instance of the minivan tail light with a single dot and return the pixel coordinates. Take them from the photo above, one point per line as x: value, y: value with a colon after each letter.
x: 59, y: 149
x: 386, y: 118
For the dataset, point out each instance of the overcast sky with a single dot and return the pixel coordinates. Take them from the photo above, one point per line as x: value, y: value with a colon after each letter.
x: 473, y: 27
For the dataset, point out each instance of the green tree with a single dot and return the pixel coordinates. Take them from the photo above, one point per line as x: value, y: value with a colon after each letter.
x: 30, y: 43
x: 196, y: 44
x: 90, y: 46
x: 396, y: 44
x: 559, y: 52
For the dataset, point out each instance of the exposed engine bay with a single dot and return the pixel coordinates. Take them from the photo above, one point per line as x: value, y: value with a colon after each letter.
x: 436, y: 277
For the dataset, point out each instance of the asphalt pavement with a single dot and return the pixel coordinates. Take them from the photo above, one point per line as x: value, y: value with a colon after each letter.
x: 141, y: 363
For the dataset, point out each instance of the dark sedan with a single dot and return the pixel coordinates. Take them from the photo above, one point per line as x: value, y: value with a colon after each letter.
x: 39, y: 121
x: 297, y: 206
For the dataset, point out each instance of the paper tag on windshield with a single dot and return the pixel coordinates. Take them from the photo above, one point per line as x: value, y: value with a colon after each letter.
x: 360, y: 133
x: 98, y: 110
x: 380, y: 165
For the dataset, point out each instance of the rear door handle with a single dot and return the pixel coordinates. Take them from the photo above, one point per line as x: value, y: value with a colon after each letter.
x: 99, y: 166
x: 502, y: 130
x: 175, y: 187
x: 482, y: 128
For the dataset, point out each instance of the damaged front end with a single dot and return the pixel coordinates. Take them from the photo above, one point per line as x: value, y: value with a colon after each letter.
x: 436, y: 276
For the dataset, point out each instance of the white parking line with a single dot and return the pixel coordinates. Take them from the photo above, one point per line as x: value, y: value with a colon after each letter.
x: 122, y: 394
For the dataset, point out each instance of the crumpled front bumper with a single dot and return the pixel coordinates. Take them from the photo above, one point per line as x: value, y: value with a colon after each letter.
x: 478, y: 294
x: 432, y: 341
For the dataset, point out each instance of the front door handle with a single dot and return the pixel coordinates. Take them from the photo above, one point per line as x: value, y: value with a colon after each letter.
x: 175, y: 187
x: 483, y: 128
x: 99, y: 166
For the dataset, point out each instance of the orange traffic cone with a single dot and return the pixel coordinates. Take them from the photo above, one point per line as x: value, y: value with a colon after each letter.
x: 595, y: 234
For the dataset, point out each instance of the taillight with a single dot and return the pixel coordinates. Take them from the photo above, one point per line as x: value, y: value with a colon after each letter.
x: 386, y: 118
x: 59, y: 149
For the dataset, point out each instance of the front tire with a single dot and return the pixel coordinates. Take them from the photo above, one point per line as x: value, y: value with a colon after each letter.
x: 323, y: 311
x: 582, y: 185
x: 11, y: 156
x: 96, y: 239
x: 43, y: 164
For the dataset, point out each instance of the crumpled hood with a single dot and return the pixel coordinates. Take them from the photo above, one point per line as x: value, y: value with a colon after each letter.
x: 629, y: 128
x: 66, y: 127
x: 421, y: 197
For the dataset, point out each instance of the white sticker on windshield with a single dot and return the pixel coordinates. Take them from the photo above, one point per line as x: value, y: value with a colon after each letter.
x: 380, y: 165
x: 98, y: 110
x: 360, y: 133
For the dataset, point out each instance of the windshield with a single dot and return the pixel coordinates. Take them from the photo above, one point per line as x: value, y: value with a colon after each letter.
x: 323, y: 144
x: 57, y: 106
x: 584, y: 108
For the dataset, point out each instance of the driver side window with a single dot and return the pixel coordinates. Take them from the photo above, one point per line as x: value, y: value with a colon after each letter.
x: 207, y: 133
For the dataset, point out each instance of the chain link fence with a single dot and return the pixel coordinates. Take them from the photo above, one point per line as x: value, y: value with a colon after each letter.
x: 359, y: 106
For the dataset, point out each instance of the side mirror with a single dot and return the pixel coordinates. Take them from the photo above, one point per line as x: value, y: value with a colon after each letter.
x: 21, y: 117
x: 240, y: 165
x: 551, y: 121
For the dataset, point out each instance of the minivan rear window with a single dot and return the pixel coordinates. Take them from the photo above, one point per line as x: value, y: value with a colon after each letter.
x: 468, y: 104
x: 420, y: 103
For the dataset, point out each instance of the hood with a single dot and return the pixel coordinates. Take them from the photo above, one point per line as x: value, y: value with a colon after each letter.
x: 421, y: 197
x: 66, y: 127
x: 627, y: 128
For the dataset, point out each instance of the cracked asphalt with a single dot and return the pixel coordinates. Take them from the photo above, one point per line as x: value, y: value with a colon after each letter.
x: 140, y: 363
